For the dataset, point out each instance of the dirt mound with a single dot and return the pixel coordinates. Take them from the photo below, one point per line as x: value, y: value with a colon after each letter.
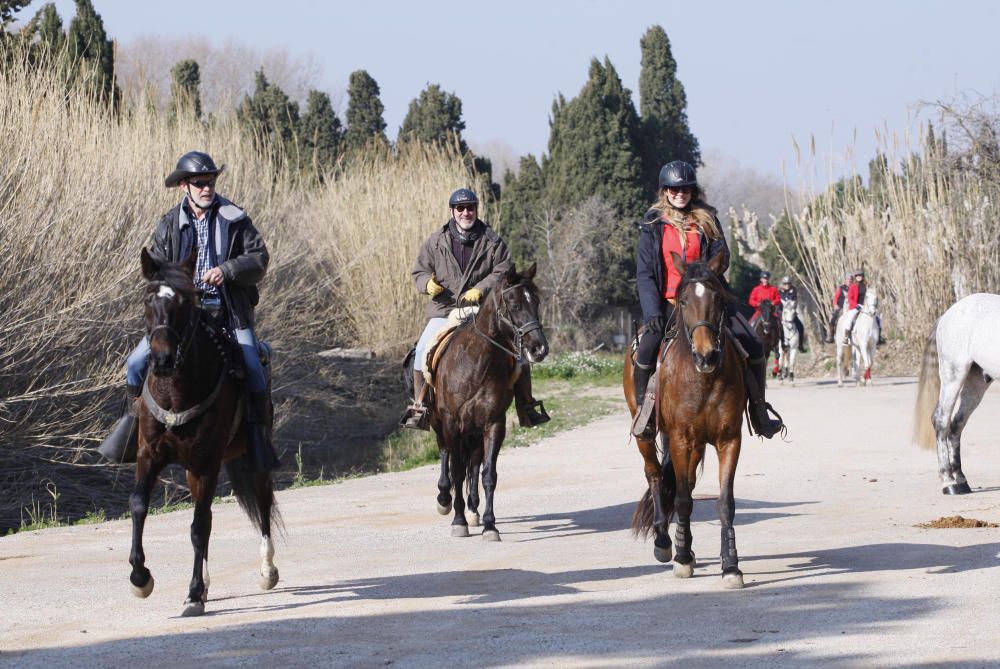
x: 948, y: 522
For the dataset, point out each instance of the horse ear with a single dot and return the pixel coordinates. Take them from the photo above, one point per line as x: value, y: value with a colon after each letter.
x: 679, y: 263
x: 512, y: 275
x: 149, y: 264
x: 530, y: 272
x: 190, y: 262
x: 715, y: 264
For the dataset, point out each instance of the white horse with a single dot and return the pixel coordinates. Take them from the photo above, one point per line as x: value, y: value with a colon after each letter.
x: 864, y: 340
x: 963, y: 348
x: 789, y: 342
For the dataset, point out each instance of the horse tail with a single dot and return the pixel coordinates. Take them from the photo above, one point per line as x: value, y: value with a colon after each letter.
x: 255, y: 493
x: 928, y: 389
x: 645, y: 510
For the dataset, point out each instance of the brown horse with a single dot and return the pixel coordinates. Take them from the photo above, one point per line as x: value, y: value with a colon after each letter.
x: 473, y: 388
x: 700, y: 400
x: 768, y: 330
x: 190, y: 414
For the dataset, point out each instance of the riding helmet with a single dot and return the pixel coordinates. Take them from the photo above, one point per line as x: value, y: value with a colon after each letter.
x: 787, y: 280
x: 192, y: 163
x: 764, y: 274
x: 462, y: 196
x: 860, y: 273
x: 677, y: 174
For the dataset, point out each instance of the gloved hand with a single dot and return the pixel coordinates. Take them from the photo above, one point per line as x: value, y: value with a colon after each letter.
x: 473, y: 295
x: 433, y: 287
x: 655, y: 324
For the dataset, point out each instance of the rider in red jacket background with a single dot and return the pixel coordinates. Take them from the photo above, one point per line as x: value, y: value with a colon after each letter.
x: 764, y: 291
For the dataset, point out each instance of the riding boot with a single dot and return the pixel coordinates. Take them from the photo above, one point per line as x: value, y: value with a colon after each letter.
x: 802, y: 335
x: 418, y: 415
x: 530, y: 411
x: 263, y: 458
x: 122, y: 444
x: 643, y: 425
x: 760, y: 421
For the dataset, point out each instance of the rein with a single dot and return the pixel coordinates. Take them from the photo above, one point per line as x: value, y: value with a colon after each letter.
x: 519, y: 331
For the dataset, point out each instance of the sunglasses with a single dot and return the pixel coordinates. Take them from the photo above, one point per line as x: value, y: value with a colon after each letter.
x: 682, y: 189
x: 465, y: 207
x: 201, y: 185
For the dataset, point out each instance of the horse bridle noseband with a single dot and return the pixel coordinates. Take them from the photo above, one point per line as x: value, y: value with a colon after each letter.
x: 183, y: 343
x: 716, y: 330
x: 519, y: 331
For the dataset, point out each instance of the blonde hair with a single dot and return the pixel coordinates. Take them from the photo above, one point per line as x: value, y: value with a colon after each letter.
x: 698, y: 213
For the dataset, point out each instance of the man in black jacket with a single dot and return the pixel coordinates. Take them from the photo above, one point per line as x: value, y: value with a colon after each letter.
x: 231, y: 260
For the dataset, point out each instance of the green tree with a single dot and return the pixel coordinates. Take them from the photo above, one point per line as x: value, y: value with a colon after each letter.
x: 49, y: 28
x: 364, y: 112
x: 434, y: 117
x: 322, y: 133
x: 663, y: 108
x: 522, y: 210
x: 273, y: 118
x: 184, y: 89
x: 93, y: 52
x: 8, y: 8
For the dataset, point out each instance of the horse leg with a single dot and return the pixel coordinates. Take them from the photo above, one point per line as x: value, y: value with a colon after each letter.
x: 444, y: 481
x: 145, y: 477
x: 264, y: 491
x: 492, y: 439
x: 729, y: 454
x: 202, y: 491
x: 651, y: 512
x: 472, y: 485
x: 840, y: 361
x: 459, y: 525
x: 950, y: 438
x: 685, y: 467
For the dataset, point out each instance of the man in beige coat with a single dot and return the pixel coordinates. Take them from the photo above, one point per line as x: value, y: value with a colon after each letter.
x: 461, y: 262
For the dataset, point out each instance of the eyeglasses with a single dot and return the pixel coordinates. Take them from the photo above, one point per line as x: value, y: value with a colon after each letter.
x: 681, y: 190
x: 465, y: 207
x: 201, y: 185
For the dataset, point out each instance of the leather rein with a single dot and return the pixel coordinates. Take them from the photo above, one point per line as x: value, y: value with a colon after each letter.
x: 519, y: 330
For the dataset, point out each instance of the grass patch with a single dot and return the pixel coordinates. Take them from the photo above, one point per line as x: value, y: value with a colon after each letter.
x: 597, y: 367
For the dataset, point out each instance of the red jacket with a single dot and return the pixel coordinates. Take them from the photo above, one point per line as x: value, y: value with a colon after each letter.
x: 761, y: 293
x: 856, y: 295
x: 840, y: 296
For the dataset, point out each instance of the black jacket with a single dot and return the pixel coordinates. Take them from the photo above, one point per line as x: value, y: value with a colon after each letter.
x: 650, y: 274
x: 242, y: 254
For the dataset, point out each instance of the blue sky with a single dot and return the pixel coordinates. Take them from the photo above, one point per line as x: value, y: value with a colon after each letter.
x: 756, y: 73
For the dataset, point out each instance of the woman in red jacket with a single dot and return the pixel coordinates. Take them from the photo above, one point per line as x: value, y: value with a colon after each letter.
x: 764, y: 291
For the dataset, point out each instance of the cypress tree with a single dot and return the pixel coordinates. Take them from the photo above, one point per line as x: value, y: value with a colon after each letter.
x: 273, y: 117
x: 184, y: 88
x: 435, y: 117
x: 523, y: 206
x: 51, y: 36
x: 663, y: 107
x: 90, y: 47
x: 364, y: 112
x: 322, y: 133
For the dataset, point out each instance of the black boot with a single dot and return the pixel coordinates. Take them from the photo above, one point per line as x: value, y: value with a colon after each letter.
x: 760, y: 421
x: 530, y: 412
x: 122, y: 444
x: 259, y: 421
x: 643, y: 425
x: 418, y: 415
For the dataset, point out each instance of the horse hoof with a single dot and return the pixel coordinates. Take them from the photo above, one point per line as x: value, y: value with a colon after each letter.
x: 663, y: 554
x: 732, y: 580
x: 957, y: 489
x: 491, y: 535
x: 193, y: 608
x: 473, y: 520
x: 459, y: 530
x: 444, y: 510
x: 268, y: 580
x: 144, y: 591
x: 684, y: 570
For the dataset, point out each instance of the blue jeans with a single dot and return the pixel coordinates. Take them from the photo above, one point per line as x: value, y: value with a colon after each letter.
x: 433, y: 325
x: 138, y: 362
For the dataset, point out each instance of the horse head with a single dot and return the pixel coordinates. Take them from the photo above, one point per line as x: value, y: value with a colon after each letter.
x: 171, y: 307
x: 701, y: 301
x: 517, y: 304
x: 788, y: 310
x: 871, y: 302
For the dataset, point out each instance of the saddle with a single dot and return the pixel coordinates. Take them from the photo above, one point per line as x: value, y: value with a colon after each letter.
x: 441, y: 339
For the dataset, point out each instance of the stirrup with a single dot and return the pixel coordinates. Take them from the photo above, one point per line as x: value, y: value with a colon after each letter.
x: 533, y: 414
x: 766, y: 426
x: 417, y: 417
x: 642, y: 424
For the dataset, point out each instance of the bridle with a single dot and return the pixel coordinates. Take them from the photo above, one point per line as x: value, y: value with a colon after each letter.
x: 715, y: 328
x: 183, y: 342
x: 502, y: 315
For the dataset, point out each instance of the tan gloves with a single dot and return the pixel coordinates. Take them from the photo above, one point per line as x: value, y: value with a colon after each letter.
x: 473, y: 295
x: 433, y: 287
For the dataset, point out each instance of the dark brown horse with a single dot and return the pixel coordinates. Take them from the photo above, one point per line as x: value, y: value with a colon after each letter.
x: 768, y: 330
x: 191, y: 415
x: 700, y: 401
x: 473, y: 388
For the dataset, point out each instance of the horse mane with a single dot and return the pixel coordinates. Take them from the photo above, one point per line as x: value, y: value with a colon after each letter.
x: 175, y: 276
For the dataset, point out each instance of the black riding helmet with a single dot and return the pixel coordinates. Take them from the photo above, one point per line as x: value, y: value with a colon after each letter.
x: 677, y: 174
x: 462, y: 196
x: 191, y: 164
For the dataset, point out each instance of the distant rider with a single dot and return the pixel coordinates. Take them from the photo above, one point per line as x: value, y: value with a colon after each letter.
x: 790, y: 295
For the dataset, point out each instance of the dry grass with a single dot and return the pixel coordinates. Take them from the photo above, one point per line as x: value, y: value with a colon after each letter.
x: 80, y: 193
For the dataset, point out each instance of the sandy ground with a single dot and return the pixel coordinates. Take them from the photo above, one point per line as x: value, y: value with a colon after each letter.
x: 837, y: 573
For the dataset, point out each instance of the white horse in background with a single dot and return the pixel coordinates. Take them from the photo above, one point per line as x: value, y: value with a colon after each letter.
x: 963, y: 349
x: 789, y: 341
x: 864, y: 340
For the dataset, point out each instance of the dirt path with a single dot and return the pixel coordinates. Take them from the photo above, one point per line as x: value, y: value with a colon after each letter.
x: 836, y: 572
